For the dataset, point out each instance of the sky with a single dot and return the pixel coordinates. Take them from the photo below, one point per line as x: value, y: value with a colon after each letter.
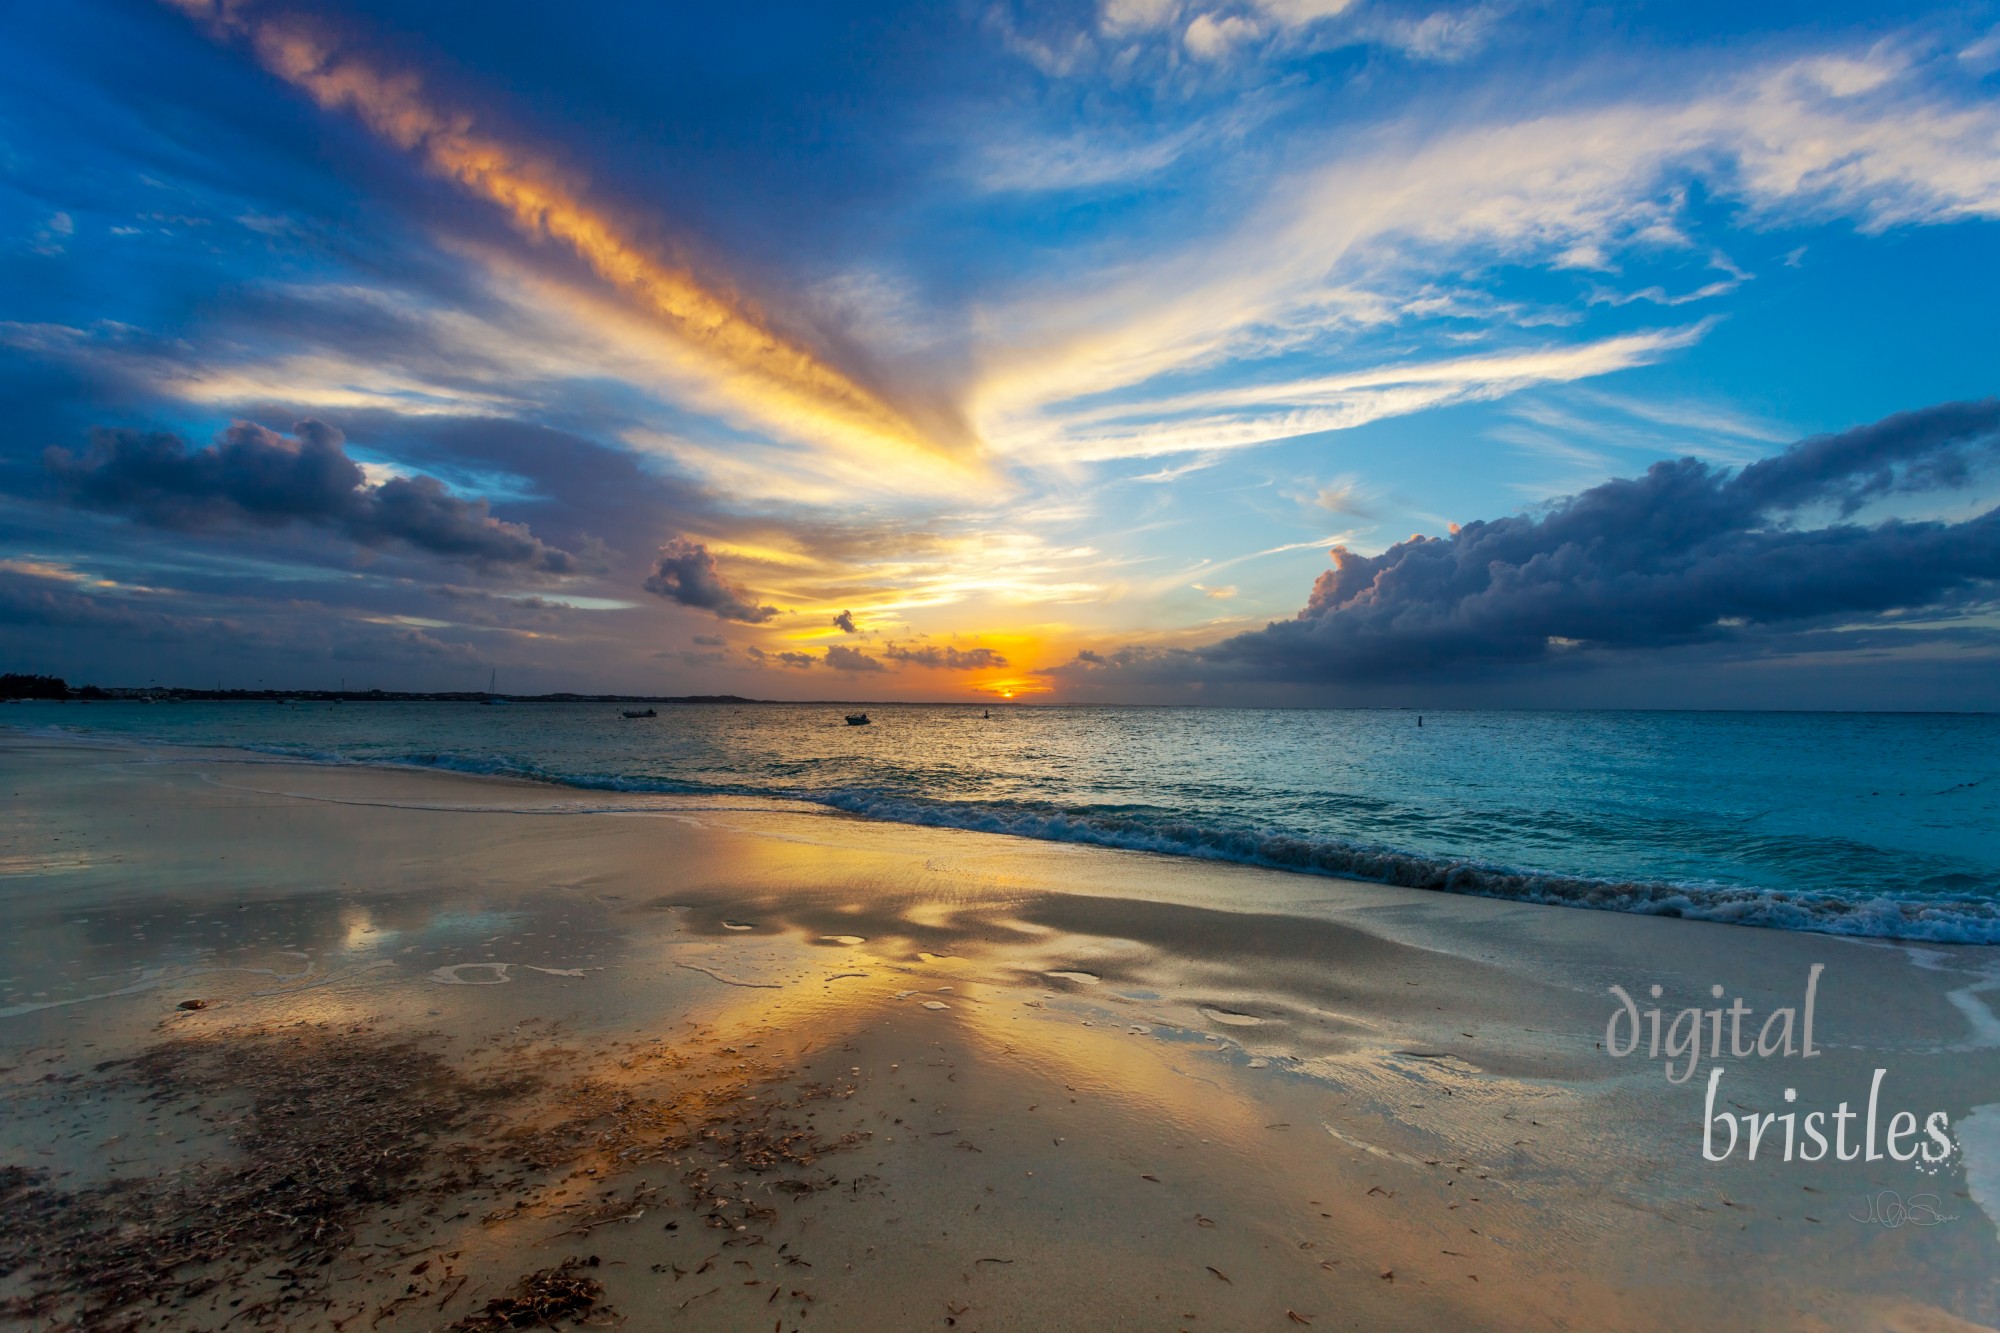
x: 1289, y: 352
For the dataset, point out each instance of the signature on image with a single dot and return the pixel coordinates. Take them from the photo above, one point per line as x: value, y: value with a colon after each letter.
x: 1889, y: 1209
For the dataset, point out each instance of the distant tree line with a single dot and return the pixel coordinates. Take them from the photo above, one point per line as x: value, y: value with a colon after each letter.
x: 13, y: 685
x: 18, y: 685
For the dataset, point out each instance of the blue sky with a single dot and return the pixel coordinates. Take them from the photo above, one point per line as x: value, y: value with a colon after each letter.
x: 1055, y: 345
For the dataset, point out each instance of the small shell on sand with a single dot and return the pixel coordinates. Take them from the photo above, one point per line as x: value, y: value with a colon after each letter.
x: 1228, y: 1019
x: 936, y: 1004
x: 849, y: 940
x: 738, y: 925
x: 1081, y: 978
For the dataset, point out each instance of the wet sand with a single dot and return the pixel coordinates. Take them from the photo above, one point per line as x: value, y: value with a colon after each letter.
x: 757, y: 1065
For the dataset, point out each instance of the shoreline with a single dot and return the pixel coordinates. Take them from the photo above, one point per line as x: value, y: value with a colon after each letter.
x: 1932, y: 920
x: 1414, y: 1048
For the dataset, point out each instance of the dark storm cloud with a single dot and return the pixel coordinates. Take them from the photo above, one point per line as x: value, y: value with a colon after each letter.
x: 685, y: 572
x: 798, y: 660
x: 252, y: 477
x: 52, y: 603
x: 842, y: 658
x: 1686, y: 554
x: 73, y: 625
x: 946, y: 658
x: 844, y: 621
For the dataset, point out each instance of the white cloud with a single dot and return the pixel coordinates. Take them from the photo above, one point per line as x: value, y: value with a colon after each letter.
x: 1026, y: 163
x: 1122, y: 16
x: 1345, y: 495
x: 1983, y: 56
x: 1445, y: 36
x: 1212, y: 38
x: 1865, y: 137
x: 1241, y: 416
x: 1299, y: 13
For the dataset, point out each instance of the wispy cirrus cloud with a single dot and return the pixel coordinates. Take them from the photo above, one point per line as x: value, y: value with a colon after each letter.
x: 1139, y: 426
x: 1879, y: 138
x: 764, y: 372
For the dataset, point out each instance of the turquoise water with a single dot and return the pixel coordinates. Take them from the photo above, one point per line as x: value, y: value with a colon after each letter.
x: 1867, y: 824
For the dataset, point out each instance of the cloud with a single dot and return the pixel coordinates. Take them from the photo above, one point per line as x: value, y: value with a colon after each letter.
x: 842, y: 658
x: 1212, y: 38
x: 1345, y: 495
x: 1299, y: 13
x: 844, y: 621
x: 946, y: 658
x: 1443, y: 36
x: 685, y: 572
x: 711, y: 641
x: 1687, y: 553
x: 1210, y: 420
x: 797, y: 661
x: 1873, y: 139
x: 252, y: 477
x: 758, y: 368
x: 1026, y: 162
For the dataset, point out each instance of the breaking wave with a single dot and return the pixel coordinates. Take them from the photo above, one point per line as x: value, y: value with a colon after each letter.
x: 1960, y: 920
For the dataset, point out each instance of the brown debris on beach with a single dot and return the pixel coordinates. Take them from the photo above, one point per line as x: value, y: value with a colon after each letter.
x: 336, y: 1146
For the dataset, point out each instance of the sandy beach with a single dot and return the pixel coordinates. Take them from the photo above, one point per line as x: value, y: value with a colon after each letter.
x: 286, y: 1045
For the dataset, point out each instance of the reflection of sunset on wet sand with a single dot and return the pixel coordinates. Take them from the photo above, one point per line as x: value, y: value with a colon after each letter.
x: 766, y: 1062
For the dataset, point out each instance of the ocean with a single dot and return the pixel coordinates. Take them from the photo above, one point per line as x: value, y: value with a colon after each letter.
x: 1882, y: 825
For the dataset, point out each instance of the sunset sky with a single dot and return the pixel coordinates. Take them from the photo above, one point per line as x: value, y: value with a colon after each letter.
x: 984, y: 350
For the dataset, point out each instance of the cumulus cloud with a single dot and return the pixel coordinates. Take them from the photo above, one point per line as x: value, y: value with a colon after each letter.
x: 711, y: 641
x: 844, y: 621
x: 1687, y: 553
x: 685, y: 572
x: 842, y: 658
x: 253, y: 477
x: 1212, y: 38
x: 946, y: 658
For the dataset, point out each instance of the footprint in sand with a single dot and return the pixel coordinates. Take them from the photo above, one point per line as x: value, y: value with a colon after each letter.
x: 1228, y: 1019
x: 1081, y: 978
x: 449, y: 976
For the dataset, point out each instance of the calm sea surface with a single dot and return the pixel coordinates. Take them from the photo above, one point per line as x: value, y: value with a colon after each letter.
x: 1868, y: 824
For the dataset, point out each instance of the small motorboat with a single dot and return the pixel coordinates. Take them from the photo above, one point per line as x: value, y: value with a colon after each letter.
x: 633, y: 712
x: 857, y: 719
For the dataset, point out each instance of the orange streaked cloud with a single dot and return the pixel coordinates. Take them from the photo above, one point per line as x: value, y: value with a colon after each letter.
x: 773, y: 378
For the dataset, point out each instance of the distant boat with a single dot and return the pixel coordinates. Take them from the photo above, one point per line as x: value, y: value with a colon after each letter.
x: 635, y: 713
x: 857, y: 719
x: 492, y: 680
